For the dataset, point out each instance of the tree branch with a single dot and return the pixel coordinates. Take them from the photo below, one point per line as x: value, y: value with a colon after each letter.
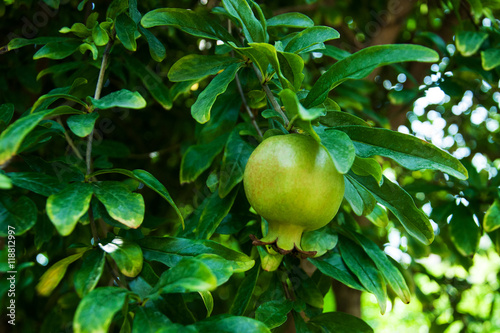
x: 270, y: 95
x: 97, y: 95
x: 247, y: 108
x: 70, y: 141
x: 88, y: 157
x: 242, y: 94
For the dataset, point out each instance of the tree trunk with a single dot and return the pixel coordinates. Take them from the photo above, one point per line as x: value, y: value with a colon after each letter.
x: 348, y: 300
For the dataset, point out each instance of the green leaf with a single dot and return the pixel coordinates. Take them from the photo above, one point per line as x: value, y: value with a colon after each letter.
x: 340, y: 118
x: 121, y: 204
x: 340, y: 148
x: 216, y: 209
x: 306, y: 126
x: 96, y: 310
x: 110, y: 148
x: 195, y: 66
x: 378, y: 216
x: 198, y: 158
x: 402, y: 97
x: 220, y: 267
x: 67, y: 206
x: 361, y: 63
x: 294, y: 108
x: 490, y: 58
x: 367, y: 167
x: 87, y: 277
x: 116, y: 8
x: 52, y: 97
x: 333, y: 266
x: 401, y: 204
x: 269, y: 261
x: 58, y: 50
x: 241, y: 11
x: 188, y: 21
x: 189, y: 275
x: 126, y: 254
x: 20, y: 42
x: 469, y: 42
x: 41, y: 134
x: 5, y: 182
x: 79, y: 29
x: 291, y: 20
x: 89, y: 47
x: 156, y: 48
x: 270, y: 113
x: 151, y: 81
x: 6, y: 112
x: 223, y: 323
x: 43, y: 231
x: 245, y: 292
x: 464, y: 231
x: 407, y: 150
x: 305, y: 288
x: 339, y: 322
x: 391, y: 274
x: 320, y: 240
x: 292, y: 66
x: 99, y: 35
x: 51, y: 278
x: 37, y: 182
x: 491, y: 220
x: 120, y: 99
x: 361, y: 265
x: 273, y: 313
x: 12, y: 137
x: 53, y: 3
x: 125, y: 31
x: 82, y: 125
x: 208, y: 300
x: 150, y: 320
x: 150, y: 181
x: 21, y: 214
x: 335, y: 52
x: 310, y: 36
x: 236, y: 154
x: 203, y: 105
x: 170, y: 251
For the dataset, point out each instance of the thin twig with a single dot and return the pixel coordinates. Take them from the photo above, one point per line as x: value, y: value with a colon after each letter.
x: 70, y: 141
x: 270, y: 95
x: 245, y: 104
x: 117, y: 276
x: 93, y: 227
x: 97, y: 95
x: 242, y: 94
x: 4, y: 49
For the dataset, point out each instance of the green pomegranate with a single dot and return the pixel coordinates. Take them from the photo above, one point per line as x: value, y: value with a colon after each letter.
x: 291, y: 181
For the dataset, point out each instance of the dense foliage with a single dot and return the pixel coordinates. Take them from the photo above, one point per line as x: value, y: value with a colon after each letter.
x: 126, y: 127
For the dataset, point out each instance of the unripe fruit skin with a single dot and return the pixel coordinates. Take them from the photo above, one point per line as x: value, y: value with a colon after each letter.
x: 291, y: 181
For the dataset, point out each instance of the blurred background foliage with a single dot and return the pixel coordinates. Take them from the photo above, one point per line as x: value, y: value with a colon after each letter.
x: 453, y: 104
